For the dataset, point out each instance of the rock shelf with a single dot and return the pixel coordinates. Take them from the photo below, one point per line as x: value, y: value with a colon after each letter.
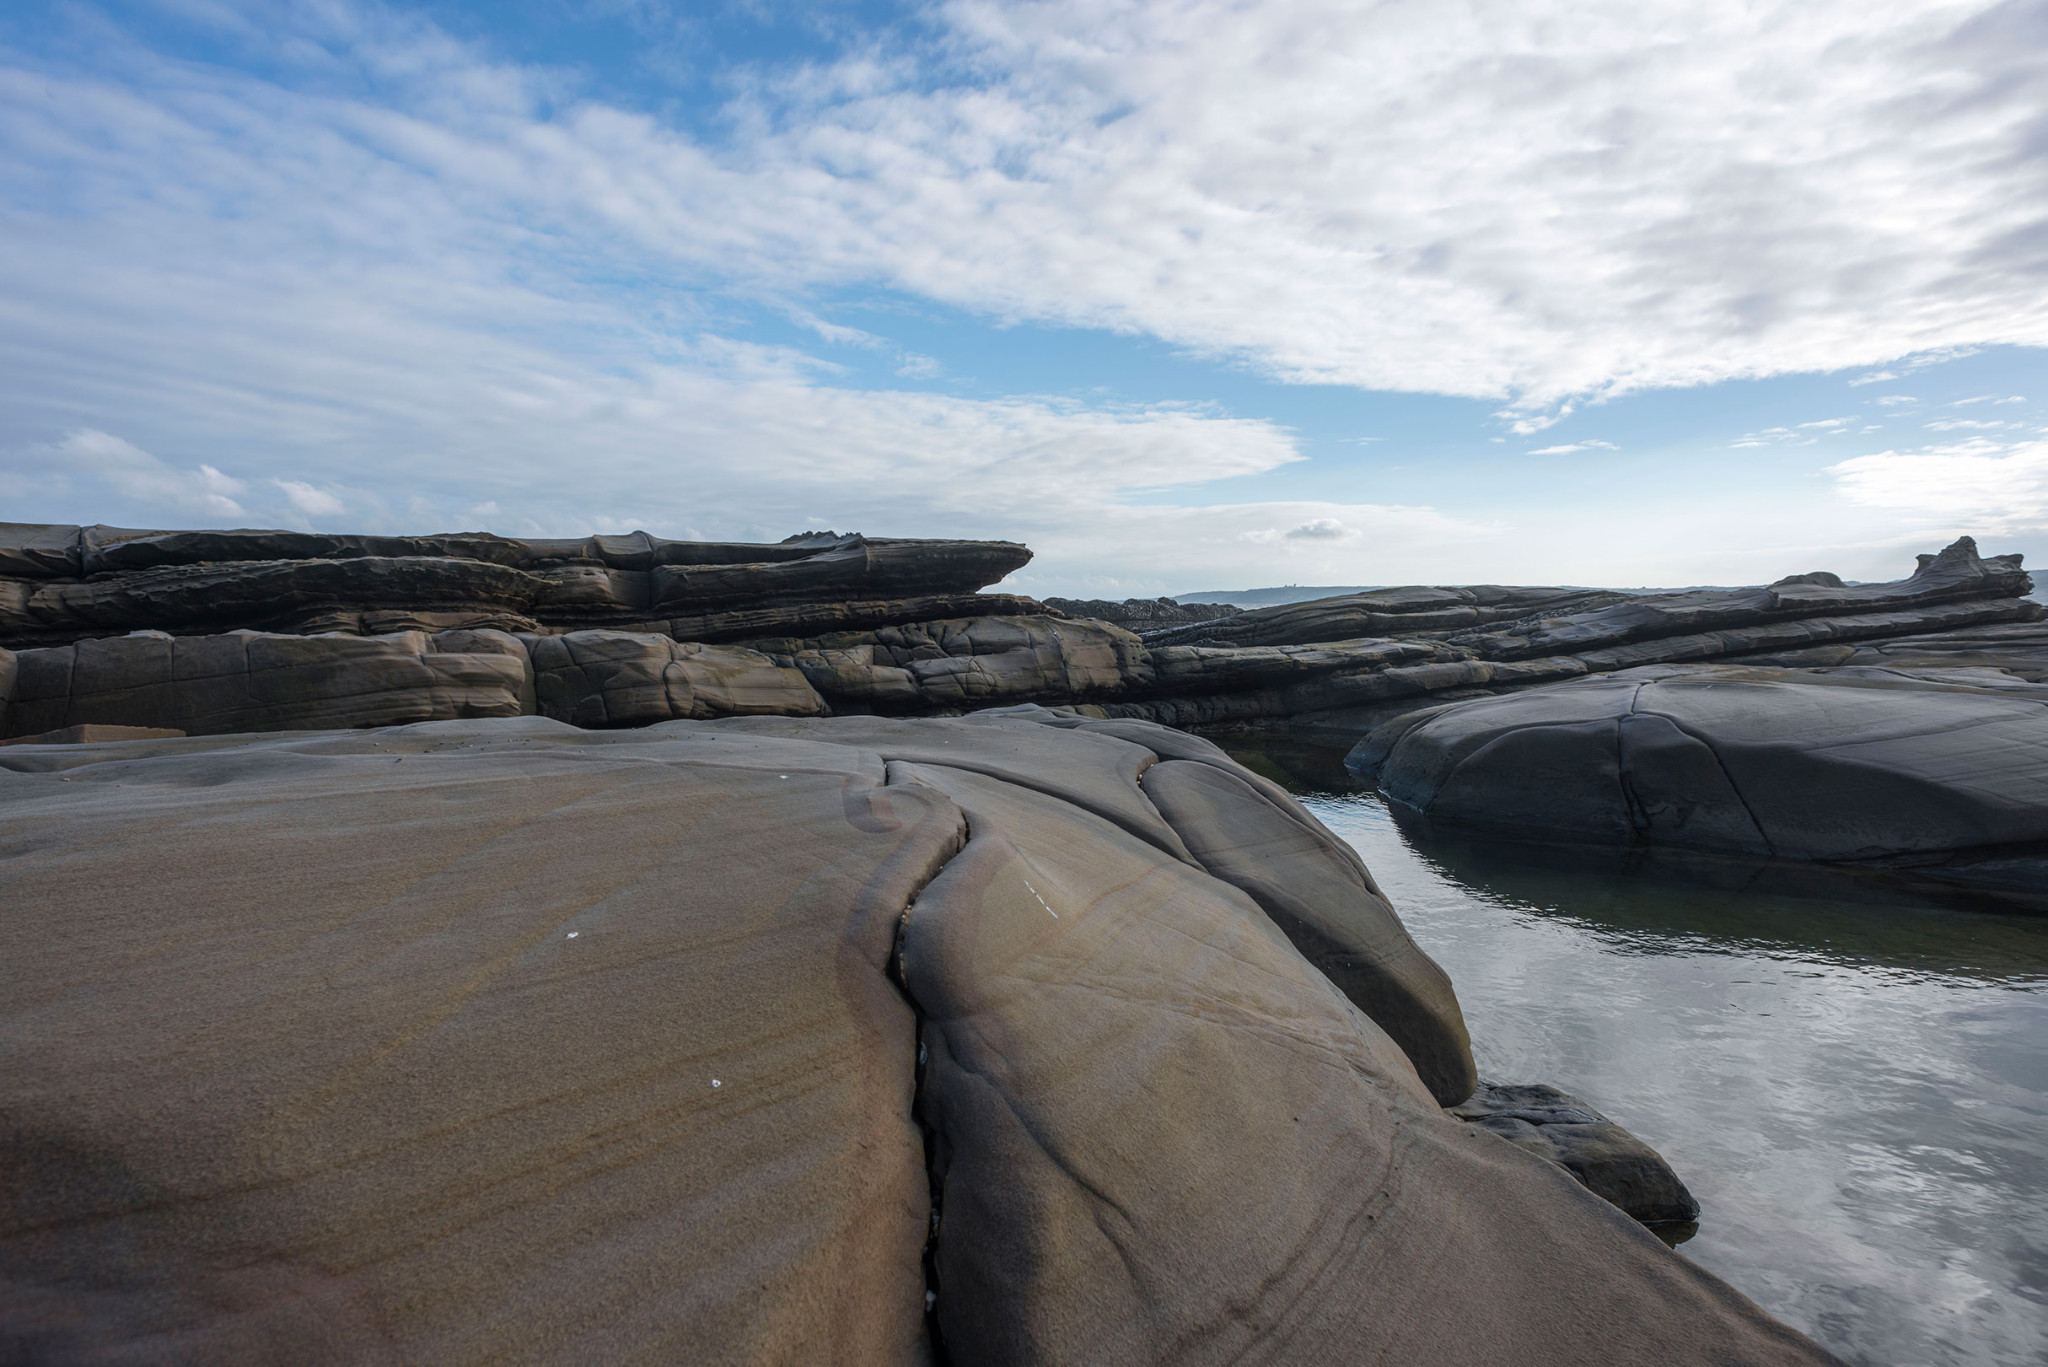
x: 1021, y: 1038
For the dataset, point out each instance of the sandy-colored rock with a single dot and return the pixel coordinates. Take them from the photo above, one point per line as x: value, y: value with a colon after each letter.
x: 971, y: 662
x: 616, y: 678
x: 250, y: 681
x: 1162, y: 1136
x: 94, y: 735
x: 402, y: 1048
x: 500, y: 1041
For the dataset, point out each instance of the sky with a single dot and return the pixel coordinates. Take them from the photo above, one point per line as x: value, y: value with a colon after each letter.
x: 1183, y: 294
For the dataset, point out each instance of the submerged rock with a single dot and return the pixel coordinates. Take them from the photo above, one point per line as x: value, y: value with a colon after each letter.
x: 743, y: 1041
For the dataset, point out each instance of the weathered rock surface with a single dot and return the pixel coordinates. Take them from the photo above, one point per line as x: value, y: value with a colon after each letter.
x: 60, y: 584
x: 617, y: 678
x: 1383, y: 612
x: 1945, y: 774
x: 1612, y: 1163
x: 248, y: 681
x: 1143, y: 614
x: 484, y: 1087
x: 851, y: 624
x: 968, y: 663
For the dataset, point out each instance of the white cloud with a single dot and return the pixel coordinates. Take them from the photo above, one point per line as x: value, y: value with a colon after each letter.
x: 1828, y: 424
x: 1993, y: 488
x: 129, y: 472
x: 1641, y: 195
x: 309, y: 500
x: 479, y: 294
x: 1969, y: 424
x: 1894, y: 400
x: 1879, y: 378
x: 1588, y: 445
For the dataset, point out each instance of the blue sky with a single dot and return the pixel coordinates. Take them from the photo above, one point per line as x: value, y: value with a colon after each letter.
x: 1185, y: 294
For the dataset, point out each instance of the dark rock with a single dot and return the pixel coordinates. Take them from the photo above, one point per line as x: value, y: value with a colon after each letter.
x: 192, y: 582
x: 1143, y: 614
x: 1957, y: 573
x: 1383, y: 612
x: 1857, y: 764
x: 1612, y: 1163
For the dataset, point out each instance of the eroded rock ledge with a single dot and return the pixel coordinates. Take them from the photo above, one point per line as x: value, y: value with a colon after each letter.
x: 506, y: 1041
x: 211, y: 632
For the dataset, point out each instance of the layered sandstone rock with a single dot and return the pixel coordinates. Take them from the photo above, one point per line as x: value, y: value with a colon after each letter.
x: 1143, y: 614
x: 814, y: 625
x: 62, y: 584
x: 755, y: 1040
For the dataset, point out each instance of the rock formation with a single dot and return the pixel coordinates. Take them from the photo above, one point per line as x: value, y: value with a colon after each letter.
x: 63, y: 584
x: 1936, y: 775
x: 998, y: 1040
x: 211, y: 632
x: 1143, y: 614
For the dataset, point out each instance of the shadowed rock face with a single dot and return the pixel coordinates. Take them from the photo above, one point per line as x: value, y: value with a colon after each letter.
x: 1942, y: 772
x: 503, y: 1041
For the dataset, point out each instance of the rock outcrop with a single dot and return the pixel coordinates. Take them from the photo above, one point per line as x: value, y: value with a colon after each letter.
x: 1143, y: 614
x: 63, y: 584
x: 837, y: 624
x: 1935, y: 775
x: 770, y: 1039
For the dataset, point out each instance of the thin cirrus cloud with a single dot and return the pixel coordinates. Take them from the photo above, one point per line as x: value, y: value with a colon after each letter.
x: 380, y: 273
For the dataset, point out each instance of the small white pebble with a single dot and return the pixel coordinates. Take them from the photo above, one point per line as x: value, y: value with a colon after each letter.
x: 574, y: 933
x: 716, y: 1083
x: 782, y: 776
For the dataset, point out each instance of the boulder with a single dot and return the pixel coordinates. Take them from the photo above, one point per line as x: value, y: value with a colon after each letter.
x: 1612, y: 1163
x: 1856, y: 764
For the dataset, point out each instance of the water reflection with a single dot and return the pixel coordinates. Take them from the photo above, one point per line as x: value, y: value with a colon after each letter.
x: 1854, y: 1082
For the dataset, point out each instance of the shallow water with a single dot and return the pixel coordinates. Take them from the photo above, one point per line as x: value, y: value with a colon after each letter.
x: 1854, y: 1083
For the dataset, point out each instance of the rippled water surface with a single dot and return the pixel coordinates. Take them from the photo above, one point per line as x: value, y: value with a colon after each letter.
x: 1855, y: 1085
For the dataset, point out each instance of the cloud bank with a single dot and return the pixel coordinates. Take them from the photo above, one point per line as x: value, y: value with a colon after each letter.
x: 368, y: 274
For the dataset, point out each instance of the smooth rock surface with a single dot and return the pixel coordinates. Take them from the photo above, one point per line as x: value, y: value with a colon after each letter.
x: 1855, y: 764
x: 1612, y: 1163
x: 500, y: 1041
